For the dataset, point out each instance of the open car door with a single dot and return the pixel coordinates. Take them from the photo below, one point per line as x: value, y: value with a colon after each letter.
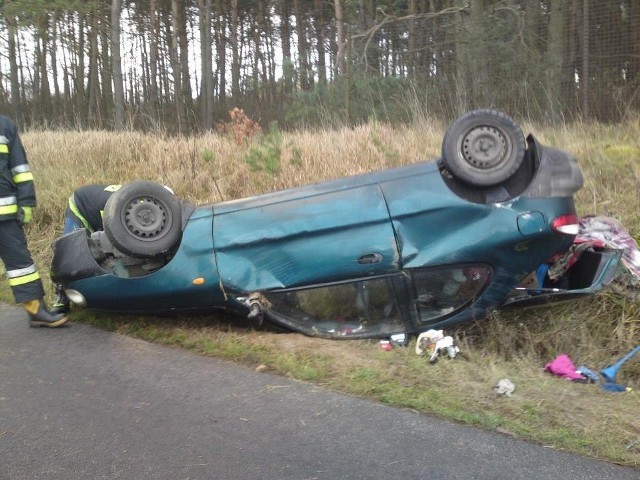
x: 583, y: 273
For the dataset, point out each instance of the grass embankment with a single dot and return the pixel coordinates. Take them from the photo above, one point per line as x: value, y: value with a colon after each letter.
x: 515, y: 345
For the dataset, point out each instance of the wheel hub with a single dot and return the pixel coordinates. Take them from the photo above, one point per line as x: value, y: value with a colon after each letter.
x: 145, y: 218
x: 484, y: 147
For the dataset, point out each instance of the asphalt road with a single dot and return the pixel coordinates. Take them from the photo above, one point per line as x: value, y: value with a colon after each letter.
x: 80, y: 403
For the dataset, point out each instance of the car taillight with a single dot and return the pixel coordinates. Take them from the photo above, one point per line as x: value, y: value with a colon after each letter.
x: 567, y: 224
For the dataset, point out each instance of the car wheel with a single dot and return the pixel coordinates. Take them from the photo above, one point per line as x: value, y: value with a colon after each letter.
x: 143, y: 219
x: 483, y: 148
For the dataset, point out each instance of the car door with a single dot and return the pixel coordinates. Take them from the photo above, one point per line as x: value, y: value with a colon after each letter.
x: 594, y: 269
x: 305, y: 236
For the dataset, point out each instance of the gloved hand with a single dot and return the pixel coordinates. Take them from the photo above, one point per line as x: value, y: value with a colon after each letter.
x: 24, y: 215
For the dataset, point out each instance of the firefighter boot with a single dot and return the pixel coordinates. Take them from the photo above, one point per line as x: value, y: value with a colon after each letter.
x: 39, y: 316
x: 61, y: 303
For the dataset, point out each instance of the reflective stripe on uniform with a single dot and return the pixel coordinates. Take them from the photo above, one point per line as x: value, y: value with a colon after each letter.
x: 4, y: 148
x: 14, y: 282
x: 8, y: 205
x: 8, y: 209
x: 19, y: 272
x: 21, y: 169
x: 23, y: 177
x: 76, y: 212
x: 22, y: 173
x: 20, y: 276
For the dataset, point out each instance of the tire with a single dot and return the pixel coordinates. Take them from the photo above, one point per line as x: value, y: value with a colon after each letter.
x: 143, y: 219
x: 483, y: 148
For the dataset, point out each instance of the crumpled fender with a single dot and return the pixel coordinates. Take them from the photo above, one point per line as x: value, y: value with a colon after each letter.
x: 66, y: 268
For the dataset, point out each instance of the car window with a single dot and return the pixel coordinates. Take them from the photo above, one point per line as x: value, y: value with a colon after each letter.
x: 441, y: 291
x: 354, y: 309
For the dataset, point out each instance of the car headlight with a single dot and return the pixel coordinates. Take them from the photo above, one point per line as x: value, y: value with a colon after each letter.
x: 76, y: 297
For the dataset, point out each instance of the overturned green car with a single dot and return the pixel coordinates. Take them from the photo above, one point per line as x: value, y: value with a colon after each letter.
x: 402, y: 250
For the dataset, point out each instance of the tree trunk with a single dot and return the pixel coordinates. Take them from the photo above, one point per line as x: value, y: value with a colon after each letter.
x: 303, y: 63
x: 322, y: 67
x: 13, y: 71
x: 116, y: 65
x: 569, y: 87
x: 585, y: 60
x: 176, y: 67
x: 411, y: 54
x: 67, y: 74
x: 183, y: 42
x: 473, y: 87
x: 44, y: 92
x: 94, y: 82
x: 634, y: 38
x: 259, y: 64
x: 264, y: 21
x: 553, y: 61
x: 106, y: 73
x: 154, y: 34
x: 80, y: 75
x: 221, y: 39
x: 341, y: 37
x: 285, y: 39
x: 206, y: 87
x: 54, y: 69
x: 235, y: 56
x: 463, y: 77
x: 371, y: 48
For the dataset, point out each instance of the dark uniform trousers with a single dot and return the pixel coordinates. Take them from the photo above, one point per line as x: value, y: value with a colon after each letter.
x: 21, y: 272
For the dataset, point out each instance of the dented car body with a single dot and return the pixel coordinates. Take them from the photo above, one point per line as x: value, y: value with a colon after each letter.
x: 402, y: 250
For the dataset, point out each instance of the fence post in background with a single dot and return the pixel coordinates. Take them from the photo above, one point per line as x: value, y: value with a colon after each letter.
x: 585, y: 60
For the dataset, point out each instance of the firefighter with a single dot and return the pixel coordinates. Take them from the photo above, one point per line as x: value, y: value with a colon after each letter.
x: 86, y: 207
x: 17, y: 200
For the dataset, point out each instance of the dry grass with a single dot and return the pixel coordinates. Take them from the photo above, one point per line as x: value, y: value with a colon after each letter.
x: 210, y: 168
x: 205, y: 169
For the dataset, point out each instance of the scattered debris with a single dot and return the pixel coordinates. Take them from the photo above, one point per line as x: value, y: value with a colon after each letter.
x: 563, y: 367
x: 609, y: 373
x: 590, y: 375
x: 385, y: 345
x: 399, y: 340
x: 435, y: 342
x: 633, y: 444
x: 605, y: 231
x: 505, y: 387
x: 613, y: 387
x: 601, y: 232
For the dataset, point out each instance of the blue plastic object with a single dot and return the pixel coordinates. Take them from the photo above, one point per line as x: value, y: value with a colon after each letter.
x: 613, y: 387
